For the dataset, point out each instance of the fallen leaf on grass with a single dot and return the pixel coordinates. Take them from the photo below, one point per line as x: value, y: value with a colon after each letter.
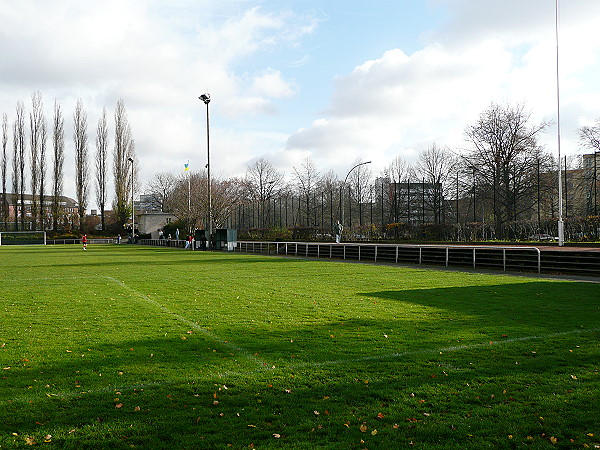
x: 380, y: 415
x: 363, y: 428
x: 553, y: 439
x: 276, y: 435
x: 119, y: 405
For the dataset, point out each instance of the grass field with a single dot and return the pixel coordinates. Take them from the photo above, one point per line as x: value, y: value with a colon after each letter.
x: 126, y: 347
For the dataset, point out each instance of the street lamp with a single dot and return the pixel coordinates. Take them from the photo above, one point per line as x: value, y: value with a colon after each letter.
x: 132, y: 204
x: 344, y: 184
x: 206, y: 99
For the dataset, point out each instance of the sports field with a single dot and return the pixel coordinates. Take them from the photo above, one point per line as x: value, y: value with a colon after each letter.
x: 138, y: 347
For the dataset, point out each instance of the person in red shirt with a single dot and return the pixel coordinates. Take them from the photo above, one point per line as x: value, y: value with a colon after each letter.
x: 84, y: 241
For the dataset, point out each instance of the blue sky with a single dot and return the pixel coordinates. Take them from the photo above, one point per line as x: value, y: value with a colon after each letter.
x: 335, y: 81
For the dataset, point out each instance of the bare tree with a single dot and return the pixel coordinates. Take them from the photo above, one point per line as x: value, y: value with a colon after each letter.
x: 160, y: 188
x: 262, y: 182
x: 329, y: 185
x: 397, y: 172
x: 43, y: 138
x: 589, y: 136
x: 3, y: 169
x: 307, y: 180
x: 504, y: 146
x: 81, y: 160
x: 58, y: 147
x: 226, y: 196
x: 124, y: 151
x: 19, y: 133
x: 359, y: 184
x: 101, y: 165
x: 36, y: 136
x: 187, y: 200
x: 436, y: 167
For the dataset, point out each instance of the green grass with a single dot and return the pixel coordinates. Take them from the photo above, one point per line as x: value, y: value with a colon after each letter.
x: 125, y: 347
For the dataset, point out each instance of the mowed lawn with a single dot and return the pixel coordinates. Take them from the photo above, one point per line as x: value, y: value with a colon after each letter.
x: 138, y: 347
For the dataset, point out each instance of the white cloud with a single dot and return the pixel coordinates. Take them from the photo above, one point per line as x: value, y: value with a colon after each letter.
x: 399, y: 104
x: 159, y: 55
x: 270, y: 83
x: 156, y: 55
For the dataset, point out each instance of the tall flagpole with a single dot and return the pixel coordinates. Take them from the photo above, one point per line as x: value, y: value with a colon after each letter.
x: 561, y: 225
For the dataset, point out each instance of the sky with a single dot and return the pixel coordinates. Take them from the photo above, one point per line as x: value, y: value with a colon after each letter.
x: 339, y: 81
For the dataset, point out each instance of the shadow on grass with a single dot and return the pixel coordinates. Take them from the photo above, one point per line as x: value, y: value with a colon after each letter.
x: 331, y: 380
x: 194, y: 394
x: 556, y: 306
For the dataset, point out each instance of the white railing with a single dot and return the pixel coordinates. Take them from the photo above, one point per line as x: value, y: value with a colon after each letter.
x: 484, y: 257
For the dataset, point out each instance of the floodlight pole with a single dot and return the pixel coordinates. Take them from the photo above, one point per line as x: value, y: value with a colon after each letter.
x: 206, y: 99
x: 561, y: 225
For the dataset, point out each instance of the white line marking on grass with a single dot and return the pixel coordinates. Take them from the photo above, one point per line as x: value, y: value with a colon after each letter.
x: 445, y: 349
x: 213, y: 337
x: 194, y: 325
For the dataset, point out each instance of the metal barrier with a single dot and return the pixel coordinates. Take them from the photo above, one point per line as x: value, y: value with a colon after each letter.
x: 163, y: 242
x: 485, y: 257
x: 78, y: 241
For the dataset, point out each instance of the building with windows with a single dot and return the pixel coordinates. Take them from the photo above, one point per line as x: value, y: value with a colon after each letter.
x: 21, y: 211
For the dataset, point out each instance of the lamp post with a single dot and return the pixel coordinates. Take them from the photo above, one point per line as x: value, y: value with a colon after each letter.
x: 561, y: 225
x: 132, y: 203
x: 344, y: 184
x: 206, y: 99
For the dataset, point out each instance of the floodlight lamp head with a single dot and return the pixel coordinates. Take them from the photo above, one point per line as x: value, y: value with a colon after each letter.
x: 205, y: 98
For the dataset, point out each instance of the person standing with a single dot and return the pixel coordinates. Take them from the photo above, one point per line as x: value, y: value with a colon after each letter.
x: 84, y: 241
x: 337, y: 229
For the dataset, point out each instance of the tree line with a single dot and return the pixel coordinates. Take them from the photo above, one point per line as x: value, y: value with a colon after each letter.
x: 502, y: 185
x: 39, y: 147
